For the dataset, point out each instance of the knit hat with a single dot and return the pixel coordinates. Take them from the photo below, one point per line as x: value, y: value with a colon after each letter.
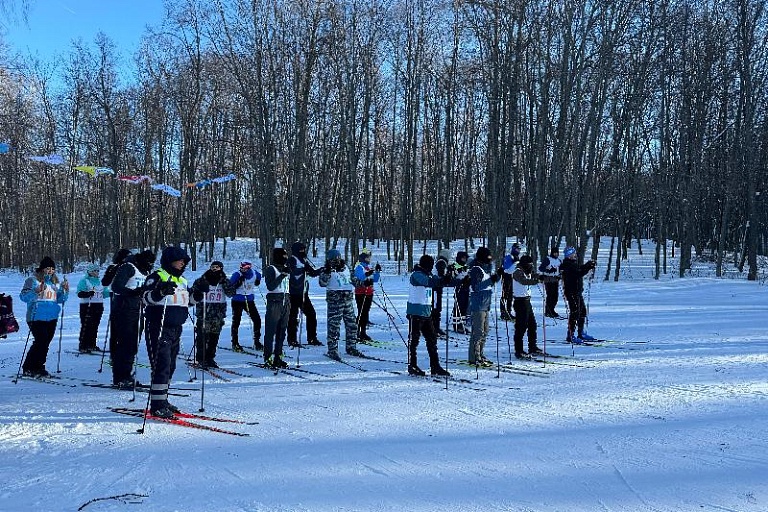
x: 444, y: 254
x: 365, y: 254
x: 217, y: 262
x: 462, y: 257
x: 279, y: 256
x: 45, y: 263
x: 525, y: 261
x: 144, y: 261
x: 246, y: 264
x: 515, y: 249
x: 483, y: 256
x: 299, y: 250
x: 120, y: 255
x: 427, y: 263
x: 569, y: 251
x: 92, y: 267
x: 332, y: 254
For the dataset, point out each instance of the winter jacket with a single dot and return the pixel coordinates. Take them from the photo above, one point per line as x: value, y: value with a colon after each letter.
x: 169, y: 310
x: 550, y: 269
x: 481, y: 283
x: 364, y: 278
x: 300, y: 269
x: 213, y: 308
x: 91, y: 284
x: 244, y: 290
x: 421, y: 285
x: 42, y: 306
x: 573, y: 274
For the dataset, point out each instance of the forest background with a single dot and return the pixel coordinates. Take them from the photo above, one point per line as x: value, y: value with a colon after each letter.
x: 402, y: 121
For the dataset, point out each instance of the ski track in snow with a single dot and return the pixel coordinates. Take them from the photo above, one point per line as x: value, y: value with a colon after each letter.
x: 671, y: 417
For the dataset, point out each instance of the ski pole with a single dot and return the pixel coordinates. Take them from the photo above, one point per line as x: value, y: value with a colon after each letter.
x: 205, y: 349
x: 544, y: 321
x: 106, y: 336
x: 386, y: 298
x: 447, y: 338
x: 61, y: 330
x: 136, y: 356
x: 496, y: 330
x: 23, y: 353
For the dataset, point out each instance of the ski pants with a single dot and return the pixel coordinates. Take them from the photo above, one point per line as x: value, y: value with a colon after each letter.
x: 42, y: 334
x: 341, y: 307
x: 478, y: 337
x: 237, y: 314
x: 124, y: 342
x: 422, y: 325
x: 276, y: 323
x: 552, y: 290
x: 163, y: 344
x: 505, y: 303
x: 577, y: 313
x: 525, y: 321
x: 90, y: 318
x: 299, y: 302
x: 364, y: 303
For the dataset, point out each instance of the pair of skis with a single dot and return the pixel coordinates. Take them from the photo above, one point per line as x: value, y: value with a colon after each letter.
x: 182, y: 419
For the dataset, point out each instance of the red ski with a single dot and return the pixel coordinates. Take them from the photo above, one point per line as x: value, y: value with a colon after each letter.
x: 139, y: 413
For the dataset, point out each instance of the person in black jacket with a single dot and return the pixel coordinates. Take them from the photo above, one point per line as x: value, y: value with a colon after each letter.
x: 125, y: 316
x: 442, y: 269
x: 298, y: 288
x: 168, y: 300
x: 278, y: 307
x: 210, y: 313
x: 573, y: 287
x: 117, y: 260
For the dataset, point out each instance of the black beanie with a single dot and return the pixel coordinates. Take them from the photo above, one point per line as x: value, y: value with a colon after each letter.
x: 483, y: 256
x: 279, y: 256
x: 120, y: 256
x: 217, y: 263
x: 45, y: 263
x: 427, y: 263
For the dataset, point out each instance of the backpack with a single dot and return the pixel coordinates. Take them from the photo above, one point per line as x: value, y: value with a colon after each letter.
x: 8, y: 323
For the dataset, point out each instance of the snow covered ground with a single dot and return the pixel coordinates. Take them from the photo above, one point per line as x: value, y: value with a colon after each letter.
x: 671, y: 415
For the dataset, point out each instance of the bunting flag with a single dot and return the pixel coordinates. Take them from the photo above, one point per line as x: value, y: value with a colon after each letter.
x: 94, y: 171
x: 52, y: 159
x: 4, y: 147
x: 167, y: 189
x: 135, y: 179
x: 205, y: 183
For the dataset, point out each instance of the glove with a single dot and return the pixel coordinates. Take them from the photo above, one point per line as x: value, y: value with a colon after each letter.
x: 257, y: 282
x: 377, y: 268
x: 541, y: 277
x: 222, y: 277
x: 168, y: 288
x: 369, y: 272
x: 341, y: 265
x: 327, y: 269
x: 286, y: 270
x: 500, y: 271
x: 86, y: 295
x: 203, y: 286
x: 590, y: 264
x: 198, y: 295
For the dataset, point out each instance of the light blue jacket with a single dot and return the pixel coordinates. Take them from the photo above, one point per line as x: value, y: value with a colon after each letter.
x: 38, y: 308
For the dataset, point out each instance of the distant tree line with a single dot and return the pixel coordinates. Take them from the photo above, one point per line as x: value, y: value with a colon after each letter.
x: 401, y: 120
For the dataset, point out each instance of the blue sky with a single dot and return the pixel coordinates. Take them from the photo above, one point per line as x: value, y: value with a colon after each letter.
x: 53, y: 24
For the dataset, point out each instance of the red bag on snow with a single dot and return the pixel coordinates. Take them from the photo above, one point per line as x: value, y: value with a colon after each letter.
x: 8, y: 323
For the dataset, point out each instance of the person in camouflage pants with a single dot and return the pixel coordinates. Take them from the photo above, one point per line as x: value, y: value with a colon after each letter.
x: 211, y: 312
x: 335, y: 278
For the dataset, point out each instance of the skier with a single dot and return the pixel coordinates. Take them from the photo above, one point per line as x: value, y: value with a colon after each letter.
x: 168, y: 299
x: 481, y: 294
x: 510, y: 260
x: 245, y: 280
x: 573, y: 287
x: 117, y: 260
x: 210, y: 313
x: 461, y: 294
x: 92, y: 294
x: 550, y: 271
x: 298, y: 288
x: 45, y: 295
x: 419, y: 314
x: 276, y: 277
x: 442, y: 268
x: 525, y: 321
x: 364, y: 278
x: 126, y: 316
x: 335, y: 278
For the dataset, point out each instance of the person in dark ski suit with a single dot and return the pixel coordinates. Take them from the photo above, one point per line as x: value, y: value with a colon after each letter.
x: 550, y: 271
x: 510, y: 260
x: 441, y: 268
x: 245, y: 281
x: 364, y: 277
x: 168, y: 300
x: 210, y: 313
x: 126, y: 316
x: 525, y: 321
x: 117, y: 260
x: 44, y: 295
x: 335, y: 278
x: 298, y: 288
x: 573, y: 287
x: 481, y: 282
x: 92, y: 294
x: 276, y: 277
x: 461, y: 294
x: 422, y: 285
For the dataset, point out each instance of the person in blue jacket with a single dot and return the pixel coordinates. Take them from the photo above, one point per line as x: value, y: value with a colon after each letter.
x: 44, y: 295
x: 509, y: 263
x: 245, y: 280
x: 364, y: 277
x: 419, y: 313
x: 92, y: 294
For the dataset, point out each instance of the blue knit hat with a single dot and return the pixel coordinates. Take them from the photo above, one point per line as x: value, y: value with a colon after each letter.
x: 92, y: 267
x: 569, y: 251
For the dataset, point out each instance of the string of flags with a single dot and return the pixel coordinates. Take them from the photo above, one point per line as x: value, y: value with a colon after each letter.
x: 95, y: 172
